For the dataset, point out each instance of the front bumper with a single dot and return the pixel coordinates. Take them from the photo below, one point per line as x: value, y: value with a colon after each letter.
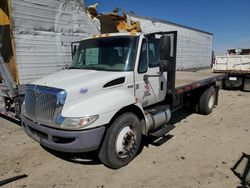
x: 64, y: 140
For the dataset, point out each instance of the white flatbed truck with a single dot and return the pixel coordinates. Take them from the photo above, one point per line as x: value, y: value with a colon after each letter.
x: 237, y: 68
x: 119, y: 87
x: 36, y: 41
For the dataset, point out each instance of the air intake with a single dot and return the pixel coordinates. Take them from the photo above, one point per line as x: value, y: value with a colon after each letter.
x: 115, y: 82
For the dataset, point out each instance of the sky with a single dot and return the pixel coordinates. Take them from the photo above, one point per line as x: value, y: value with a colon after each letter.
x: 228, y: 20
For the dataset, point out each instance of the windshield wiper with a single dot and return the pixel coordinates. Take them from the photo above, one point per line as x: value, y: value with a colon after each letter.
x: 74, y: 68
x: 97, y: 68
x: 89, y: 68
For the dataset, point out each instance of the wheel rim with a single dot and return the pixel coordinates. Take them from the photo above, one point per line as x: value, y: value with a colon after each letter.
x: 211, y: 102
x: 125, y: 142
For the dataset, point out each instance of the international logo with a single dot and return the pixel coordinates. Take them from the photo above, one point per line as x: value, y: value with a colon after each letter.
x: 37, y: 91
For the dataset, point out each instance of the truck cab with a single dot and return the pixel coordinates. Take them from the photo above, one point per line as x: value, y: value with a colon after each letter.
x: 118, y: 88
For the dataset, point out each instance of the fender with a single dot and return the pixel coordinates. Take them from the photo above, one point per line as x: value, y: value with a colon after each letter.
x: 137, y: 109
x: 105, y: 104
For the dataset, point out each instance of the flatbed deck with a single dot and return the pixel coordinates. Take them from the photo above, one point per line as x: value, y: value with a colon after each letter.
x: 187, y: 80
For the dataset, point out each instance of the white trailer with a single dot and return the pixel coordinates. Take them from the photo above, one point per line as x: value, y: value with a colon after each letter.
x: 194, y: 47
x: 237, y: 68
x: 43, y: 32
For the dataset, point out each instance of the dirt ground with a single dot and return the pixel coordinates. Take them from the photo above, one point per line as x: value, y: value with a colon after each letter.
x: 199, y: 152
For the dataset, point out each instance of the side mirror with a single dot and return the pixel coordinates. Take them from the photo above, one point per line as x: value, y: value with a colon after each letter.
x: 73, y: 49
x: 165, y: 52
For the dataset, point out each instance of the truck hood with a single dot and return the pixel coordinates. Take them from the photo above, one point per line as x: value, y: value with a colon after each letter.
x: 79, y: 83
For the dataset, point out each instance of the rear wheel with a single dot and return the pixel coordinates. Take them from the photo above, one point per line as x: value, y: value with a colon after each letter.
x: 121, y: 142
x: 207, y: 101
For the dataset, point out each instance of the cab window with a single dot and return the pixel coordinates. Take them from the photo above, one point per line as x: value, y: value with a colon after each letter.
x: 152, y: 46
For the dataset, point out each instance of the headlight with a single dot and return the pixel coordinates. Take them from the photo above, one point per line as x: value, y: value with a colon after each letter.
x: 76, y: 123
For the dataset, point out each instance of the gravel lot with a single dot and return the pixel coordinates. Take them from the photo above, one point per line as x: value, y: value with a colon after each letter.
x: 200, y: 152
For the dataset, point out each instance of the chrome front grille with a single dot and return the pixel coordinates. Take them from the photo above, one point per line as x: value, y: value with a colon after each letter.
x: 45, y: 107
x: 42, y: 104
x: 30, y: 105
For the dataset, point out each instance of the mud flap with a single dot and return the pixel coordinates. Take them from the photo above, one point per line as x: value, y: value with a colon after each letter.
x: 246, y: 86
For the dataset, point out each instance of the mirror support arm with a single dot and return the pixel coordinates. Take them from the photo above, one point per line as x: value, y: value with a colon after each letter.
x: 146, y: 76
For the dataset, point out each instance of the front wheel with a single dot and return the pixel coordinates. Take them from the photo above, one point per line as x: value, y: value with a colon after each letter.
x: 121, y: 142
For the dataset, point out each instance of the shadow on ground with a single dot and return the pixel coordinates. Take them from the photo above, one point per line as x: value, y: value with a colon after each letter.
x: 176, y: 118
x: 241, y: 170
x: 89, y: 158
x: 158, y: 141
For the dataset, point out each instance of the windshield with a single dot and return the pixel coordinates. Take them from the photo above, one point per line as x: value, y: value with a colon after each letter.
x: 109, y: 54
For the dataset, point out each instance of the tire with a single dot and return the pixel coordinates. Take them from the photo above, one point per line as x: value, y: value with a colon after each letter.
x: 121, y: 142
x: 193, y: 102
x: 207, y: 101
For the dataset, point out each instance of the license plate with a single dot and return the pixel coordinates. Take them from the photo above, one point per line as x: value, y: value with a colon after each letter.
x: 36, y: 138
x: 233, y: 78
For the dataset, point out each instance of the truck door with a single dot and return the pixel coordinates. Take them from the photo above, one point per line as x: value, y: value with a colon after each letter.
x: 152, y: 89
x: 150, y: 85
